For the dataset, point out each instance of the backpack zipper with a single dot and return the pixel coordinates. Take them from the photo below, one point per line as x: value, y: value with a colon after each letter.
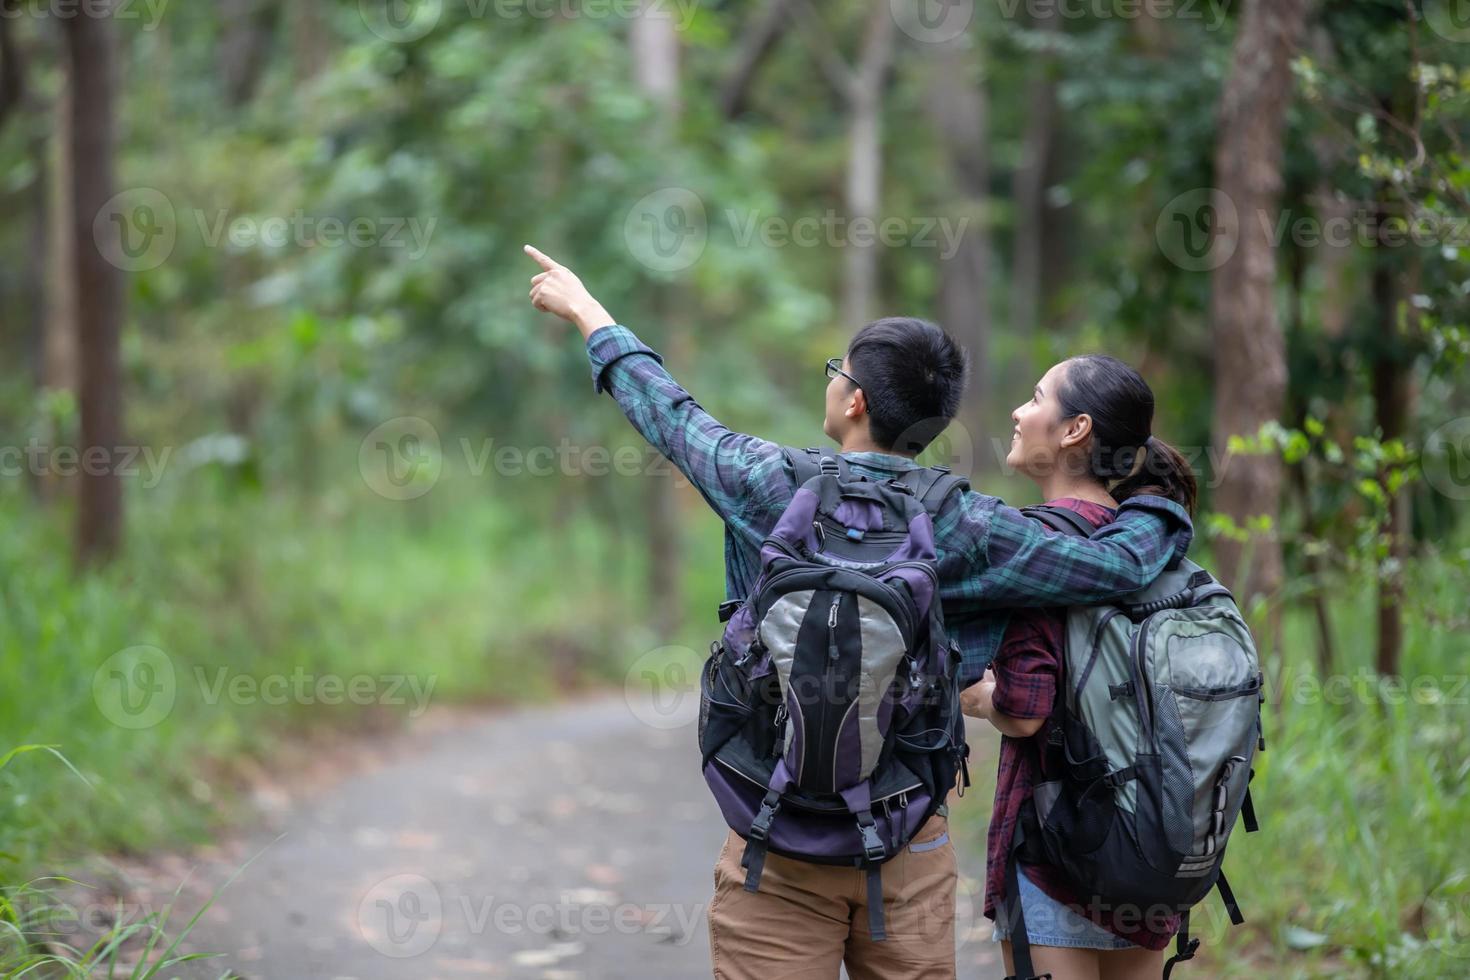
x: 836, y: 807
x: 832, y: 629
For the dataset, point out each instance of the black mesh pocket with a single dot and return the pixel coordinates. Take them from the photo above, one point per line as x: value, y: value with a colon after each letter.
x: 724, y: 701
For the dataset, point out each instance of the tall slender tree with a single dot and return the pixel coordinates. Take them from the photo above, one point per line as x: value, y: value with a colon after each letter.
x: 1250, y: 350
x: 99, y: 284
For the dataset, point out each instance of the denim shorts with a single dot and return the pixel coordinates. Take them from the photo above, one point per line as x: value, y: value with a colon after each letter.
x: 1050, y: 923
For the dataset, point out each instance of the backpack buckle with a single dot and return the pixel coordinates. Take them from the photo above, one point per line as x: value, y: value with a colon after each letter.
x: 829, y: 466
x: 873, y: 848
x: 760, y: 827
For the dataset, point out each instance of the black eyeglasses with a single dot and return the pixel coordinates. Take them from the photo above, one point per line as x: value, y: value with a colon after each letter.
x: 834, y: 368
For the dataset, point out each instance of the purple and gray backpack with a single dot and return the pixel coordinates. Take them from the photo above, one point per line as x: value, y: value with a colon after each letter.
x: 829, y: 724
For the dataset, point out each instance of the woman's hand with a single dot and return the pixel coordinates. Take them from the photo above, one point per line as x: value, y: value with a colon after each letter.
x: 975, y: 699
x: 556, y: 289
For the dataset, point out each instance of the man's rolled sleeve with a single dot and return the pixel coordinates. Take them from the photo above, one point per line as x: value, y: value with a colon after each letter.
x: 606, y: 345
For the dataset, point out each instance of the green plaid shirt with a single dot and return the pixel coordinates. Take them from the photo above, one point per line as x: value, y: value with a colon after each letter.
x: 992, y: 558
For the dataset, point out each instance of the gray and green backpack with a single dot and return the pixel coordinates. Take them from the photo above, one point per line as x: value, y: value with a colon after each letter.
x: 1147, y: 760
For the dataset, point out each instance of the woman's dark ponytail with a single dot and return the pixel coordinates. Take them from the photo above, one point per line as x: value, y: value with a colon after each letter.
x: 1165, y: 473
x: 1125, y: 456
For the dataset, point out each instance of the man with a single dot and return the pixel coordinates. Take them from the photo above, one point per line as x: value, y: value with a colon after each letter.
x: 897, y: 388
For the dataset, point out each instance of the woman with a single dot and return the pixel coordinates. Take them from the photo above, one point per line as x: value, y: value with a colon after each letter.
x: 1085, y: 439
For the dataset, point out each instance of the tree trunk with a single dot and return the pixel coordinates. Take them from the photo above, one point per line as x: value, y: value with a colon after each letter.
x: 1250, y: 365
x: 1030, y: 183
x: 864, y: 185
x: 757, y: 42
x: 654, y: 43
x: 1391, y: 403
x: 960, y: 113
x: 1302, y: 483
x: 59, y: 344
x: 99, y: 287
x: 310, y: 48
x: 245, y: 35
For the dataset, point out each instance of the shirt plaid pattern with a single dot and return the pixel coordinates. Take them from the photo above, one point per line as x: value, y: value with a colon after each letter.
x: 1027, y: 667
x: 991, y: 557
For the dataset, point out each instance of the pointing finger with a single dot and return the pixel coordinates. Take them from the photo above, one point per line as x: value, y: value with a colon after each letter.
x: 542, y: 259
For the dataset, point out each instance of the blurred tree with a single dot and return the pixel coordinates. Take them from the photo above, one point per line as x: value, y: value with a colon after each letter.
x: 1250, y: 352
x: 654, y: 46
x: 960, y: 115
x: 99, y: 286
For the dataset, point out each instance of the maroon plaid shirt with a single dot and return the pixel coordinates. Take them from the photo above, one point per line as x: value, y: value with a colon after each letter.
x: 1026, y: 668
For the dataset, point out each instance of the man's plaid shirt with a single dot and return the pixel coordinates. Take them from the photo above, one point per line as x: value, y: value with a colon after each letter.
x: 991, y: 557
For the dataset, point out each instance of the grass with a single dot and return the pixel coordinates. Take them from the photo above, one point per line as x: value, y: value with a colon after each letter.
x: 234, y: 616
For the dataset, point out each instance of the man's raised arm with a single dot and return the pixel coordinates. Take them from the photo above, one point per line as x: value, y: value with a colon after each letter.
x: 1020, y: 563
x: 720, y: 463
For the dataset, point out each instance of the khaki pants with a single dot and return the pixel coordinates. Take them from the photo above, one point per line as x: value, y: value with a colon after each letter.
x: 807, y: 919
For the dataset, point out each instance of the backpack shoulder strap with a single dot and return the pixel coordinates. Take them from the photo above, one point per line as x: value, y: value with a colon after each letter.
x: 1060, y: 519
x: 807, y: 463
x: 932, y: 486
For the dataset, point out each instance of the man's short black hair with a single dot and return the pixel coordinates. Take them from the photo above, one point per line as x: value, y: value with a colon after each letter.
x: 913, y: 376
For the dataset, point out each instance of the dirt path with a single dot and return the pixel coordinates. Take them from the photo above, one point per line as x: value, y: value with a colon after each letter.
x: 574, y: 841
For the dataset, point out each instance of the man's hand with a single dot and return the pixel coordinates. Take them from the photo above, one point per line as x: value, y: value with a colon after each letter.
x: 556, y: 289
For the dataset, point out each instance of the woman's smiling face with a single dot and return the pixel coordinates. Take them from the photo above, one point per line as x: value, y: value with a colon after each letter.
x: 1037, y: 439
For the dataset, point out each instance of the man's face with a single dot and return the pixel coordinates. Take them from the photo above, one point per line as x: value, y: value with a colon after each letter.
x: 841, y: 394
